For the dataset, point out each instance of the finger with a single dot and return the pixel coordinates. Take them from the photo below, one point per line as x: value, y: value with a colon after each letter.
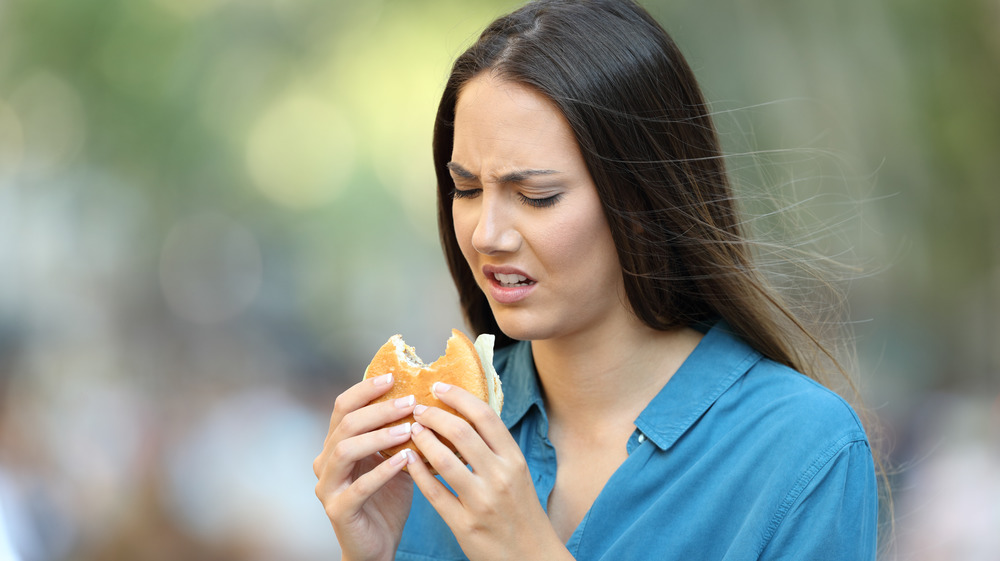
x: 365, y: 486
x: 487, y: 423
x: 470, y: 445
x: 443, y: 501
x: 359, y: 395
x: 346, y: 453
x: 364, y: 420
x: 371, y: 417
x: 331, y: 486
x: 451, y: 468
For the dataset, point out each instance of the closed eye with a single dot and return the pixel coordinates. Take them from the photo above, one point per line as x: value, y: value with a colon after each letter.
x: 465, y: 193
x: 544, y: 202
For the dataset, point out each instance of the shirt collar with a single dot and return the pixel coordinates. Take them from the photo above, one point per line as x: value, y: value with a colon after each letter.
x: 720, y: 359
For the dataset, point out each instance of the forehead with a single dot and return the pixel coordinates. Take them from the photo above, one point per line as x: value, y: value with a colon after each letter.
x: 496, y: 117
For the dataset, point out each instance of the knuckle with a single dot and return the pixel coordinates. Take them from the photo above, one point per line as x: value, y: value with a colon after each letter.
x: 461, y: 431
x: 480, y: 415
x: 469, y: 525
x: 483, y: 513
x: 332, y: 510
x: 503, y: 482
x: 519, y: 466
x: 331, y: 499
x: 338, y: 403
x: 508, y: 481
x: 437, y: 456
x: 346, y: 425
x: 352, y: 424
x: 360, y: 489
x: 340, y: 450
x: 341, y: 405
x: 434, y: 494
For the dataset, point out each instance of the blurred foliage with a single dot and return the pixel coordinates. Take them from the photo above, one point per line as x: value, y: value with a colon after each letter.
x: 201, y: 197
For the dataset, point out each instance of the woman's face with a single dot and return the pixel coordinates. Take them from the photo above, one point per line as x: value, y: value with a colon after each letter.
x: 527, y: 214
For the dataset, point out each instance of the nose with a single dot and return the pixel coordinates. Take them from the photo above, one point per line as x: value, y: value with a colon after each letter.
x: 496, y: 230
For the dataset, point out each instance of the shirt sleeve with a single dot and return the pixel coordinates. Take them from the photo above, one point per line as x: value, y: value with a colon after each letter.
x: 831, y: 514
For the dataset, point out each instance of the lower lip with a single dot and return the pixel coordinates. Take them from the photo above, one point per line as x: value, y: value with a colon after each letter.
x: 509, y: 294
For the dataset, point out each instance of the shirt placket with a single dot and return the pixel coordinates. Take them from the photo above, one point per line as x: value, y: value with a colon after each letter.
x: 541, y: 457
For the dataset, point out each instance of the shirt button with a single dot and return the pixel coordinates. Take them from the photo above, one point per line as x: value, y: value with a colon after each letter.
x: 642, y: 438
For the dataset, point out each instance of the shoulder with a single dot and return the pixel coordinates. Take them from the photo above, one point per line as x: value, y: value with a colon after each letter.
x: 784, y: 398
x: 819, y: 465
x: 797, y: 428
x: 804, y: 448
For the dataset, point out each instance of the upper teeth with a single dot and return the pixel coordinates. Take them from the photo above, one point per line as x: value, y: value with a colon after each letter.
x: 510, y: 279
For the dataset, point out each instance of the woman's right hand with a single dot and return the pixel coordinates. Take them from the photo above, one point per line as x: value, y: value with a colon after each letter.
x: 366, y: 497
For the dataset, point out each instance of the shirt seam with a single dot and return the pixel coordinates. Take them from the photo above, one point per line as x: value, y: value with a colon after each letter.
x: 803, y: 482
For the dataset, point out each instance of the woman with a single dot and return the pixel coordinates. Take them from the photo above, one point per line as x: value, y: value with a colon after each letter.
x: 655, y: 402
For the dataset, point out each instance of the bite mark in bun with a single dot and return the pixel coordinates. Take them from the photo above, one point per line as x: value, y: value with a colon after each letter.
x: 464, y: 364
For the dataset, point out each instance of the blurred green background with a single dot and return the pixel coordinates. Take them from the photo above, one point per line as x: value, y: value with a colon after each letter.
x: 212, y: 212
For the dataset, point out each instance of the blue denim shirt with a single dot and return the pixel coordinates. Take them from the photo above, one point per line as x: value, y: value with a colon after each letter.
x: 736, y: 458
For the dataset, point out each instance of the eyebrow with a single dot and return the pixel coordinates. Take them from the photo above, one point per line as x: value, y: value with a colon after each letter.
x: 511, y: 177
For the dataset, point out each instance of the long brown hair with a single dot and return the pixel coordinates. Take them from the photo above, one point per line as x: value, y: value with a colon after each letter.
x: 647, y: 137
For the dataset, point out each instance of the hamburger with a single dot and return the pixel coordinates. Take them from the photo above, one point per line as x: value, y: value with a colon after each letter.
x: 464, y: 364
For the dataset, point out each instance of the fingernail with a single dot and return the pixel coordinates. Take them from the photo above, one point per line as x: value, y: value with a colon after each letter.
x: 404, y: 401
x: 383, y: 379
x: 439, y: 387
x: 410, y: 456
x: 399, y: 458
x: 419, y: 409
x: 416, y: 428
x: 399, y: 430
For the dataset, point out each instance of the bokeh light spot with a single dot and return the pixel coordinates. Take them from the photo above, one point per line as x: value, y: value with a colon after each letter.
x: 301, y: 152
x: 53, y: 121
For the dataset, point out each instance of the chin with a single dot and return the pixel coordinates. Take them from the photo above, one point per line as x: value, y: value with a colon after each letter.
x: 519, y: 325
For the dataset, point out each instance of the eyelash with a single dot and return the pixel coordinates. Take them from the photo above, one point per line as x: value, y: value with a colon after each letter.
x: 536, y: 203
x: 465, y: 193
x: 540, y: 203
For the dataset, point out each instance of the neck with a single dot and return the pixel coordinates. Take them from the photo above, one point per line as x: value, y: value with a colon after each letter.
x: 608, y: 377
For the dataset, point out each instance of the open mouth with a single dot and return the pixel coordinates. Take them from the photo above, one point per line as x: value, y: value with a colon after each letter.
x: 512, y: 280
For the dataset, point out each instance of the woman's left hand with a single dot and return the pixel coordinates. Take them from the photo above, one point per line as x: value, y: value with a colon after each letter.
x: 494, y: 513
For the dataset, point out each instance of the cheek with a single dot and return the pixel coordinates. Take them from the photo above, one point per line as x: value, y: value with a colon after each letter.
x: 582, y: 246
x: 464, y: 228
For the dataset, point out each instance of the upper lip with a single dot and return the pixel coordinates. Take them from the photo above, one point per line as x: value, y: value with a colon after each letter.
x: 491, y: 270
